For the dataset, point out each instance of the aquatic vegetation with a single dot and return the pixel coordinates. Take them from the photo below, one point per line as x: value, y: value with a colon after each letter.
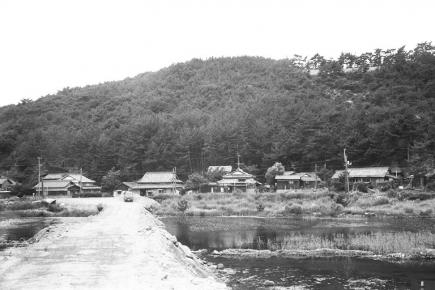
x: 376, y: 242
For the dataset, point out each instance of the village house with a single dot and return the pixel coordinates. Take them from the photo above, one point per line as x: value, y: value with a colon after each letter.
x: 6, y: 184
x: 238, y: 180
x: 155, y: 183
x: 70, y: 184
x: 371, y: 175
x: 56, y: 188
x: 296, y: 180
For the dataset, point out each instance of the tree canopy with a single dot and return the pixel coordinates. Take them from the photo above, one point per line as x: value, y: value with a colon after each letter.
x: 379, y: 105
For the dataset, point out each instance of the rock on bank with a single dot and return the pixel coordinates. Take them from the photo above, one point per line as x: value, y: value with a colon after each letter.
x: 124, y: 247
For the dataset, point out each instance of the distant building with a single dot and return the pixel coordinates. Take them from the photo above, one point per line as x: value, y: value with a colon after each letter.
x: 236, y: 180
x: 155, y: 183
x: 66, y: 184
x: 6, y: 184
x: 57, y: 187
x: 296, y: 180
x: 372, y: 175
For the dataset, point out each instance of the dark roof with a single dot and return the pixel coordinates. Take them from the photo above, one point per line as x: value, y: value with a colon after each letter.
x: 55, y: 184
x: 159, y: 177
x: 376, y: 172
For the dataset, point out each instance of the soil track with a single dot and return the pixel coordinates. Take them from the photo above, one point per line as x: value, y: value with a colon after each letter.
x: 124, y: 247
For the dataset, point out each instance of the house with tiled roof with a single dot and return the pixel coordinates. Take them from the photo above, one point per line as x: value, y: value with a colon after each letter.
x: 6, y: 184
x: 237, y: 180
x: 155, y: 183
x: 373, y: 175
x: 296, y: 180
x: 60, y: 184
x: 53, y: 187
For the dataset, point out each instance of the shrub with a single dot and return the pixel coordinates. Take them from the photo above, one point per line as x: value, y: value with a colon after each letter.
x: 342, y: 198
x: 54, y: 208
x: 380, y: 201
x: 182, y: 205
x: 201, y: 213
x: 431, y: 186
x: 99, y: 207
x: 260, y: 207
x: 409, y: 210
x: 392, y: 193
x: 361, y: 187
x: 386, y: 187
x: 426, y: 213
x: 336, y: 209
x: 293, y: 209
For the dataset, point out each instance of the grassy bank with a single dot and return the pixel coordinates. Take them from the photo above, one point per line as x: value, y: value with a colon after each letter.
x: 320, y: 203
x: 37, y: 208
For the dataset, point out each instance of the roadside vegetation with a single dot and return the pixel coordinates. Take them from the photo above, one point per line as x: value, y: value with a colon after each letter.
x: 38, y: 208
x: 319, y: 203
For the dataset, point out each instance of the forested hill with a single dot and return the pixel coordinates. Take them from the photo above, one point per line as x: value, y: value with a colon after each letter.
x: 378, y: 105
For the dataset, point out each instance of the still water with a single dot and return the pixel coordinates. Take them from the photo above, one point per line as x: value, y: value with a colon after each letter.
x: 218, y: 233
x: 20, y: 229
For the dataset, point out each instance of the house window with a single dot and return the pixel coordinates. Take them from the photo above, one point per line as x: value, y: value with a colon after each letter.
x: 161, y: 191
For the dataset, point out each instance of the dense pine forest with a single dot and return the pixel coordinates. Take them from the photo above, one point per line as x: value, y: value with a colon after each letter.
x: 302, y: 111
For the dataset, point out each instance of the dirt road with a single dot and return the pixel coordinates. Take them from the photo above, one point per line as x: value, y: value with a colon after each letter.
x: 124, y: 247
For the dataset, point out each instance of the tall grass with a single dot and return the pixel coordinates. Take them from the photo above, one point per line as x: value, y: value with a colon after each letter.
x: 377, y: 242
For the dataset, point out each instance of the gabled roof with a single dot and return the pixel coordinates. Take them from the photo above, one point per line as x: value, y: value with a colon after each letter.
x: 304, y: 176
x: 4, y: 179
x: 54, y: 176
x: 376, y: 172
x: 67, y: 176
x: 224, y: 169
x: 236, y: 181
x: 77, y: 177
x: 48, y: 184
x: 238, y: 173
x: 159, y: 177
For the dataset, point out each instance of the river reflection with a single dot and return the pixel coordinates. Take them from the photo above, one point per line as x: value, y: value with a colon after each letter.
x: 218, y: 233
x: 21, y: 229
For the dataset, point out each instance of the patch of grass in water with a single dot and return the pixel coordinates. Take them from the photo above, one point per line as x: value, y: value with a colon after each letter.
x: 377, y: 242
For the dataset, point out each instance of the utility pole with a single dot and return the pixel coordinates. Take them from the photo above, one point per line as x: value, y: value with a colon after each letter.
x: 190, y: 162
x: 238, y: 157
x: 346, y: 174
x: 80, y: 182
x: 39, y: 175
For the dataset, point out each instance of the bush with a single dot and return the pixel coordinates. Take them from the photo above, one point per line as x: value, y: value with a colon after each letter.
x: 409, y: 210
x: 392, y: 193
x: 336, y: 209
x: 99, y: 207
x: 182, y: 205
x: 426, y: 213
x: 342, y: 198
x: 361, y: 187
x: 386, y: 187
x: 431, y: 186
x: 54, y: 207
x: 380, y: 201
x: 260, y: 207
x: 293, y: 209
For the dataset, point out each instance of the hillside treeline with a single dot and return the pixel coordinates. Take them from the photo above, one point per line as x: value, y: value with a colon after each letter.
x: 299, y: 111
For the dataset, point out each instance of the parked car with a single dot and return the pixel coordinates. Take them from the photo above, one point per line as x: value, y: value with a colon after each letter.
x: 128, y: 196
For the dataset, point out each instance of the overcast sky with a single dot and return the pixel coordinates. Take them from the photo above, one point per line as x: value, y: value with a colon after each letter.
x: 47, y: 45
